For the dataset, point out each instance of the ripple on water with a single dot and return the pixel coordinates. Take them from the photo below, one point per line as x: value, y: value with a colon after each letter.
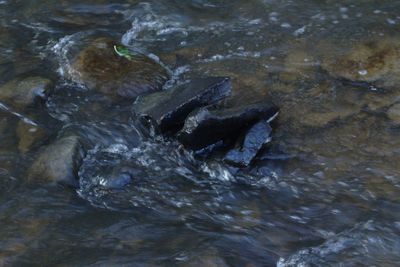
x: 371, y: 242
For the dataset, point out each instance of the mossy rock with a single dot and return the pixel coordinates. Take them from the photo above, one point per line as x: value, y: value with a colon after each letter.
x: 371, y: 61
x: 100, y: 67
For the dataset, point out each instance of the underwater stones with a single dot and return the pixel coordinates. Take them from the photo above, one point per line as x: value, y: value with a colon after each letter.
x: 29, y: 136
x: 59, y: 162
x: 23, y: 92
x: 394, y: 113
x: 208, y: 125
x: 372, y: 61
x: 99, y: 67
x: 249, y: 145
x: 168, y: 109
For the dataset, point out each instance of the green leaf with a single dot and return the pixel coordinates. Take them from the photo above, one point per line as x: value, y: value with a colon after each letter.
x: 122, y: 51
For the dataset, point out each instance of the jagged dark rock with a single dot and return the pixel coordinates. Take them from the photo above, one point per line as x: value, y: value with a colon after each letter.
x: 59, y: 162
x: 249, y: 145
x: 208, y: 125
x: 167, y: 110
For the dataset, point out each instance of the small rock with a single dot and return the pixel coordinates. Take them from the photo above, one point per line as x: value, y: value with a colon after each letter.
x: 100, y: 67
x: 30, y: 136
x: 394, y: 113
x: 59, y: 162
x: 23, y: 92
x: 169, y: 108
x: 208, y: 125
x: 246, y: 149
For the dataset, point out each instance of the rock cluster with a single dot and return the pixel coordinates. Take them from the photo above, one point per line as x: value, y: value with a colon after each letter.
x: 199, y: 113
x: 194, y: 112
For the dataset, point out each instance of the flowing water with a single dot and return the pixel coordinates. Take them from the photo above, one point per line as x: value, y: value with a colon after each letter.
x: 326, y: 192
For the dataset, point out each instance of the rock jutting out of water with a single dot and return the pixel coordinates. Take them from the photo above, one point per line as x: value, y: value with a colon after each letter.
x: 59, y: 162
x: 168, y: 109
x: 99, y: 66
x: 208, y: 125
x: 23, y: 92
x: 249, y: 145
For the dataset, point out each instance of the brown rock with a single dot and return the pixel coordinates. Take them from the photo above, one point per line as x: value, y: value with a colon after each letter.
x: 23, y: 92
x: 30, y: 136
x: 394, y: 113
x: 99, y: 67
x: 372, y: 61
x: 59, y: 162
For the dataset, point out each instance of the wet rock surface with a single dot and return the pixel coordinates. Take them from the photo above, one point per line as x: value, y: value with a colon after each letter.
x: 30, y: 136
x: 59, y: 162
x: 249, y: 145
x: 394, y: 113
x: 169, y: 108
x: 99, y: 67
x: 208, y: 125
x: 23, y: 92
x: 372, y: 61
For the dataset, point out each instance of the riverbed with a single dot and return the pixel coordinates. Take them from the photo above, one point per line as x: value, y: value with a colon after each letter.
x: 325, y: 192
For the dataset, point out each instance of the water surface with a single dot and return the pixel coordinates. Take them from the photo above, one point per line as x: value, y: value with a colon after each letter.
x: 325, y: 193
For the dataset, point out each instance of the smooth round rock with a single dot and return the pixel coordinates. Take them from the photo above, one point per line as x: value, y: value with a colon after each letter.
x: 23, y: 92
x: 29, y: 136
x: 394, y: 113
x: 59, y: 162
x: 99, y: 67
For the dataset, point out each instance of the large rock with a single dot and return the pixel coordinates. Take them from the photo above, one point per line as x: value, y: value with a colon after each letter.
x: 100, y: 67
x: 208, y: 125
x: 168, y: 109
x: 373, y: 61
x: 250, y: 144
x: 59, y: 162
x: 23, y: 92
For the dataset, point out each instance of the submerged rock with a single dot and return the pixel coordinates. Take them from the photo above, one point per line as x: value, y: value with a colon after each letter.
x: 59, y: 162
x: 30, y: 136
x: 394, y: 113
x: 168, y: 109
x: 372, y: 61
x: 100, y: 67
x: 208, y: 125
x: 23, y: 92
x: 250, y: 144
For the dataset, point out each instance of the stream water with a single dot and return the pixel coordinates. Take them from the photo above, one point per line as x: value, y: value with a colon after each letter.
x: 326, y: 192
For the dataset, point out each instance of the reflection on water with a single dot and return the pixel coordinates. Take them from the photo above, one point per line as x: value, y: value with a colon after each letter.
x: 326, y: 192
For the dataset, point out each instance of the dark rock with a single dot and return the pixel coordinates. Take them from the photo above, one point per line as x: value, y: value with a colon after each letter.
x: 208, y: 125
x: 23, y: 92
x: 99, y: 67
x: 168, y: 109
x: 59, y: 162
x: 250, y: 144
